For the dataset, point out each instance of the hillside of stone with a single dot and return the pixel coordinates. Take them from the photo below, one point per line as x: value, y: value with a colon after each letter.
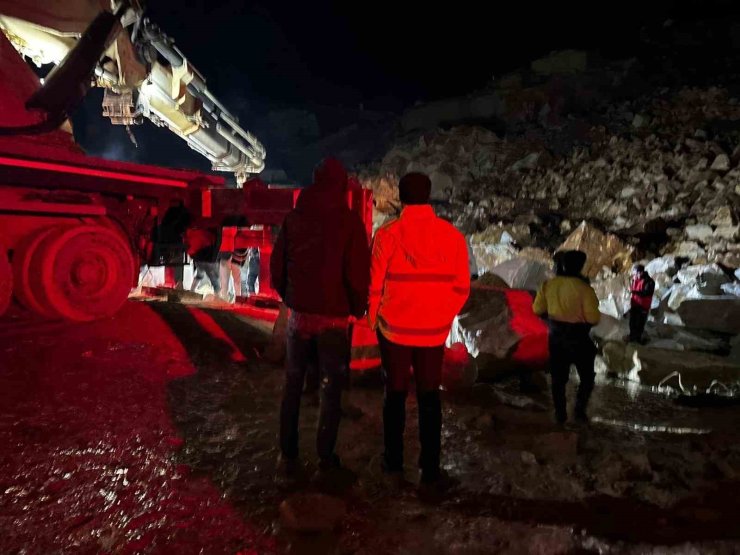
x: 661, y: 171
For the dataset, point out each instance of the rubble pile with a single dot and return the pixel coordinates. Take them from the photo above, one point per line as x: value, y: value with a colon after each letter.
x: 568, y: 155
x: 672, y: 171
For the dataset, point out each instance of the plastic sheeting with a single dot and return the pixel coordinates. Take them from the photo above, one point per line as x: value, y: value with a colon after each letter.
x: 520, y: 273
x: 498, y: 326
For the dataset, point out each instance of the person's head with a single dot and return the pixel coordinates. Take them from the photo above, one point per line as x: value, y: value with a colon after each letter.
x: 572, y: 262
x: 414, y: 188
x: 639, y: 269
x: 330, y: 175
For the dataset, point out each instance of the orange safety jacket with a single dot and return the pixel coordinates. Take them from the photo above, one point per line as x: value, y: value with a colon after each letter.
x: 419, y: 278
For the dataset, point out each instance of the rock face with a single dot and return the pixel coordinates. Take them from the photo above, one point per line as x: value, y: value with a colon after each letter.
x: 650, y: 366
x: 553, y: 157
x: 637, y: 170
x: 722, y: 315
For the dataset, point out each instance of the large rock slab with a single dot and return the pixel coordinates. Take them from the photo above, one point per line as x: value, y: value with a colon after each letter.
x: 650, y: 366
x: 718, y: 314
x: 602, y: 249
x: 613, y: 293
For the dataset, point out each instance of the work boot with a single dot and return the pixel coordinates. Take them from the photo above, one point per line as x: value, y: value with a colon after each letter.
x: 580, y: 416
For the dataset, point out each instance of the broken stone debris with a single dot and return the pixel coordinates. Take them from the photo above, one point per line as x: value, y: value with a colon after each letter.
x: 649, y: 177
x: 629, y: 178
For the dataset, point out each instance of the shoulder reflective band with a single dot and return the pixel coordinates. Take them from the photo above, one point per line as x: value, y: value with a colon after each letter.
x: 93, y: 172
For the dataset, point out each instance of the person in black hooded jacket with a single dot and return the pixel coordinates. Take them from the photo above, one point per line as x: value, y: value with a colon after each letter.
x: 320, y: 266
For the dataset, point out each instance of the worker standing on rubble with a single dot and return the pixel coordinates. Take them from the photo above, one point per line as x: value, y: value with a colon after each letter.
x: 320, y: 267
x: 571, y: 308
x: 419, y: 281
x: 642, y: 288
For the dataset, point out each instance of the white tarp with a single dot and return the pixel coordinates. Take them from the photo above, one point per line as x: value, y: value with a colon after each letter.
x: 521, y: 273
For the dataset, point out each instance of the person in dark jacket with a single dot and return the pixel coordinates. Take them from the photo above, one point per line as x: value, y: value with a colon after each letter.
x: 571, y: 308
x: 320, y: 267
x: 642, y: 288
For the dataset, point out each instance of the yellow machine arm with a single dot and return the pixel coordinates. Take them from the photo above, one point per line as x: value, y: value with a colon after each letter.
x: 143, y: 73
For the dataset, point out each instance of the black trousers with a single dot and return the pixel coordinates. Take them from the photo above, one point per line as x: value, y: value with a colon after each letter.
x: 330, y: 349
x: 638, y: 319
x: 397, y: 361
x: 569, y: 345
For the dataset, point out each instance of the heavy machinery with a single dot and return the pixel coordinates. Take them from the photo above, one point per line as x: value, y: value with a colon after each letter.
x: 143, y: 73
x: 75, y: 229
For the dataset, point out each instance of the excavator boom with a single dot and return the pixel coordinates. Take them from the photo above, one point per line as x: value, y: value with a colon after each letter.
x: 142, y: 71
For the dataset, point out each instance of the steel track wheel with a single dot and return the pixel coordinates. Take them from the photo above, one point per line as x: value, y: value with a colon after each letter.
x: 86, y: 272
x: 6, y: 281
x: 24, y: 268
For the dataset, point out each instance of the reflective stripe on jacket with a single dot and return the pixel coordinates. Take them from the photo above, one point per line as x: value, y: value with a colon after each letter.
x: 419, y: 277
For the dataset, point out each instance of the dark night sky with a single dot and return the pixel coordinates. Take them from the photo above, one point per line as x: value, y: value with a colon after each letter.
x: 273, y: 54
x: 390, y: 53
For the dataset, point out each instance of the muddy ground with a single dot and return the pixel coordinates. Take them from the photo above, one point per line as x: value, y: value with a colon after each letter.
x: 155, y: 432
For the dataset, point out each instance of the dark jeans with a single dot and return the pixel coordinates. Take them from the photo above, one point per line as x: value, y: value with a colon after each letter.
x: 398, y: 360
x: 570, y: 344
x: 253, y: 272
x: 205, y: 270
x: 638, y: 319
x: 332, y: 348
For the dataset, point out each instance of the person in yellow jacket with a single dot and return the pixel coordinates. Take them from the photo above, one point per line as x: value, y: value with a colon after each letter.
x: 419, y: 281
x: 571, y: 308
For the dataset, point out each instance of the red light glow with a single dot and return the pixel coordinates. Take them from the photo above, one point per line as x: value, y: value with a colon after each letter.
x: 92, y: 172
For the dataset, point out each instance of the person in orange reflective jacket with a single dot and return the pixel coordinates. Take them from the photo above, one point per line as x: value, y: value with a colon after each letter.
x: 419, y: 281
